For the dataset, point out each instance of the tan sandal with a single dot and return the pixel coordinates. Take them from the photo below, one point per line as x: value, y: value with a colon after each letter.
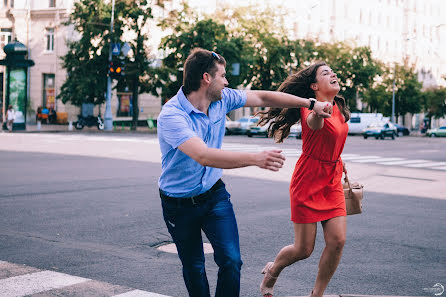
x: 264, y: 290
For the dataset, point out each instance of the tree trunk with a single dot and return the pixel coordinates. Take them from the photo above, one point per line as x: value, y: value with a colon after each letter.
x: 135, y: 113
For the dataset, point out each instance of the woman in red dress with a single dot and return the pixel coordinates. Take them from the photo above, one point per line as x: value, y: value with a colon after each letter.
x: 316, y: 192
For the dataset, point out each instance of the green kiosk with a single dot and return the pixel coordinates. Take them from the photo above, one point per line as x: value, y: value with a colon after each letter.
x: 16, y: 82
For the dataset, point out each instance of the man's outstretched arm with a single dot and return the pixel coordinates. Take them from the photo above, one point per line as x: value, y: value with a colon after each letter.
x: 284, y: 100
x: 197, y: 150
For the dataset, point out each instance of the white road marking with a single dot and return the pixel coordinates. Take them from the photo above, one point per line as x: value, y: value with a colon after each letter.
x: 429, y: 164
x: 439, y: 168
x: 354, y: 158
x: 377, y: 160
x: 139, y: 293
x: 37, y: 282
x: 42, y: 281
x: 404, y: 162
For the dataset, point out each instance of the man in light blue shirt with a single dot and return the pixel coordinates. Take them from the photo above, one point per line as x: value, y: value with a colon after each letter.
x: 191, y: 127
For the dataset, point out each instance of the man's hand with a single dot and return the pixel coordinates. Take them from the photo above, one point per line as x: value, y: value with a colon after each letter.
x: 271, y: 160
x: 323, y: 109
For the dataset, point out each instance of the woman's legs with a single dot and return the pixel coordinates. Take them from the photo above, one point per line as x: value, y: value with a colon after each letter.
x: 304, y: 238
x: 334, y: 235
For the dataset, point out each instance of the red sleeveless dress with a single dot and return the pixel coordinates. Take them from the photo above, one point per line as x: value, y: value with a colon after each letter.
x: 316, y: 192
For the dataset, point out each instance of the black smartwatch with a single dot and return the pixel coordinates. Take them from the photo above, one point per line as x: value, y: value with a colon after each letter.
x: 312, y: 102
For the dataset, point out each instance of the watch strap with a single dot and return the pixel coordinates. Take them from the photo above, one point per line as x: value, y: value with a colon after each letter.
x: 312, y: 102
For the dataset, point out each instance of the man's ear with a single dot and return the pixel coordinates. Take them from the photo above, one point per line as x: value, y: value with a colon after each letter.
x: 206, y: 78
x: 314, y: 87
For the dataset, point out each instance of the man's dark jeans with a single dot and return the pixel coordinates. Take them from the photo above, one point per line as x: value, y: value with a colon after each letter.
x: 215, y: 216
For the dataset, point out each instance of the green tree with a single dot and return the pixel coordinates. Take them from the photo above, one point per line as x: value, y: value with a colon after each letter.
x: 87, y: 58
x: 134, y: 16
x: 206, y: 34
x: 85, y: 62
x: 354, y: 66
x: 408, y: 92
x: 434, y: 103
x: 268, y: 53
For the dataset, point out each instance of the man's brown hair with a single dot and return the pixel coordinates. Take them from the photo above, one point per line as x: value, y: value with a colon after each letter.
x: 197, y: 63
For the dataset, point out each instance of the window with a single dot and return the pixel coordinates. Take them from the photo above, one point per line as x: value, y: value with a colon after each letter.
x: 49, y: 91
x: 49, y: 36
x: 5, y: 37
x: 52, y: 3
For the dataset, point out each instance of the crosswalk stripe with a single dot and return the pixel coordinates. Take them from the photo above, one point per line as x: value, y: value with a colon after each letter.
x: 404, y: 162
x: 139, y: 293
x: 353, y: 158
x: 37, y: 282
x: 438, y: 168
x: 378, y: 160
x: 429, y: 164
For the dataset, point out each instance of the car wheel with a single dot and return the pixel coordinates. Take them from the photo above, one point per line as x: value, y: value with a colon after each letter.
x: 227, y: 132
x: 433, y: 135
x: 393, y: 136
x: 249, y: 135
x: 365, y: 137
x: 381, y: 136
x: 400, y: 134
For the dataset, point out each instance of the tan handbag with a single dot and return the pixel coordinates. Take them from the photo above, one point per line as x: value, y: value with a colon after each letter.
x: 353, y: 193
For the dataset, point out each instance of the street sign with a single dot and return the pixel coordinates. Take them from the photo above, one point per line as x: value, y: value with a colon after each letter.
x: 126, y: 48
x: 235, y: 69
x: 116, y: 49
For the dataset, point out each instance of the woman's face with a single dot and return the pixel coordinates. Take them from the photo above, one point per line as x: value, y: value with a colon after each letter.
x: 326, y: 81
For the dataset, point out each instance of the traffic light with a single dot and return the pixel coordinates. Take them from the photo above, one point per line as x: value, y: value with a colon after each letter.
x: 116, y: 69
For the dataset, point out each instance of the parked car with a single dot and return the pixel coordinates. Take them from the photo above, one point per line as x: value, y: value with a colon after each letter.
x: 231, y: 127
x: 401, y: 130
x: 246, y: 123
x: 296, y: 131
x: 440, y: 132
x: 380, y: 130
x: 258, y: 131
x: 359, y: 121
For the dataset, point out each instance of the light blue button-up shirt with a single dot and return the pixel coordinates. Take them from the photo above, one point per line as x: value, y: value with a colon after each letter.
x: 179, y: 121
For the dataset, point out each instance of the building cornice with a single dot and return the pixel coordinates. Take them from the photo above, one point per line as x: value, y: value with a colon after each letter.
x: 48, y: 13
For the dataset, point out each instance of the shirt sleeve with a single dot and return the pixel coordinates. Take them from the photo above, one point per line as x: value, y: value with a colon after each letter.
x: 233, y: 99
x: 175, y: 129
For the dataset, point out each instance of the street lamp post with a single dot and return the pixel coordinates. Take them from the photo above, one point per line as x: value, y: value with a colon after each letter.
x: 108, y: 118
x: 393, y: 96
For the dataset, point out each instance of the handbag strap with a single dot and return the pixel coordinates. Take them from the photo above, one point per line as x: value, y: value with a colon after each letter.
x: 348, y: 182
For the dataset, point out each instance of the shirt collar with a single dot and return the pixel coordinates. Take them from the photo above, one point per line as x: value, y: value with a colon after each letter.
x: 187, y: 106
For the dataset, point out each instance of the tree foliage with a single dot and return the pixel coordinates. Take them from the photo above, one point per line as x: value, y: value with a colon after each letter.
x: 205, y: 34
x: 434, y: 102
x: 86, y: 61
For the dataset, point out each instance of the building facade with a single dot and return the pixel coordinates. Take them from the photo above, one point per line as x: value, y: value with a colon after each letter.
x: 398, y: 31
x: 39, y: 25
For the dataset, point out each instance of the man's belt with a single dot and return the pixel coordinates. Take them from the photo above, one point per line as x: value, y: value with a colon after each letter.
x: 194, y: 200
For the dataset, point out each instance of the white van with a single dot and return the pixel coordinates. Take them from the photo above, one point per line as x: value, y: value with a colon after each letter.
x: 359, y: 121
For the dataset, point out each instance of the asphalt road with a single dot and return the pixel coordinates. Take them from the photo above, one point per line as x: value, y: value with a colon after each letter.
x: 100, y: 218
x: 412, y: 147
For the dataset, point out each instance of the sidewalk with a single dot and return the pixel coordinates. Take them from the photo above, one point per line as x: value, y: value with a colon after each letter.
x: 66, y: 129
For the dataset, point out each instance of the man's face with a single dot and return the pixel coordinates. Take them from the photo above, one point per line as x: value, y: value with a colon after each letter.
x: 218, y: 83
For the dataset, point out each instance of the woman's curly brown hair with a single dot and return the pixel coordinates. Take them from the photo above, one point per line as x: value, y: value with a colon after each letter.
x: 296, y: 84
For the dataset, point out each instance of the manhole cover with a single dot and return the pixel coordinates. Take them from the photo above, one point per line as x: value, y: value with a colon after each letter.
x: 171, y: 248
